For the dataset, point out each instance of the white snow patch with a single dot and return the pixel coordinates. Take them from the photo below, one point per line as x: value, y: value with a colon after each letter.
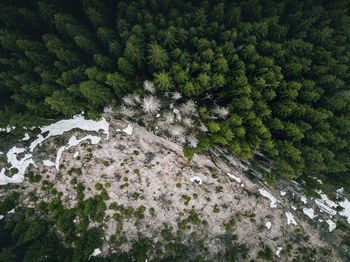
x: 339, y: 192
x: 7, y: 129
x: 12, y: 211
x: 73, y: 141
x: 327, y: 201
x: 237, y: 179
x: 196, y: 178
x: 309, y: 212
x: 267, y: 194
x: 319, y: 181
x: 26, y: 137
x: 158, y: 115
x: 1, y: 153
x: 331, y: 224
x: 320, y: 220
x: 127, y: 130
x: 21, y: 165
x: 96, y: 252
x: 177, y: 113
x: 279, y: 249
x: 48, y: 163
x: 290, y: 219
x: 293, y: 207
x: 76, y: 154
x: 303, y: 199
x: 283, y: 193
x: 1, y: 217
x: 62, y: 126
x: 326, y: 204
x: 325, y: 208
x: 268, y: 224
x: 346, y: 212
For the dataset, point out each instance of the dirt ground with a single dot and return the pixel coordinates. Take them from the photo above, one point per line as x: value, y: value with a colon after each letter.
x: 155, y: 169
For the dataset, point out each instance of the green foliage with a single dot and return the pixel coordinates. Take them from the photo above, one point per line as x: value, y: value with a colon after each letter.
x: 213, y: 127
x: 282, y: 72
x: 163, y: 81
x: 266, y: 254
x: 269, y: 178
x: 98, y: 186
x: 188, y: 153
x: 158, y: 57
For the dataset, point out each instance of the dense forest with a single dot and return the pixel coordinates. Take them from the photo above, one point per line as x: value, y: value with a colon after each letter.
x: 281, y: 68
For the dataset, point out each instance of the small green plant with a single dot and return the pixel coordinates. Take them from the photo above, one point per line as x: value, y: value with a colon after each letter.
x: 135, y: 195
x: 229, y: 225
x: 108, y: 185
x: 78, y: 158
x: 216, y: 210
x: 188, y: 153
x: 32, y: 197
x: 178, y: 185
x: 54, y: 191
x: 195, y: 196
x: 136, y: 171
x: 205, y: 222
x: 125, y: 179
x: 152, y: 211
x: 136, y: 153
x: 266, y: 254
x: 98, y: 186
x: 214, y: 176
x: 73, y: 181
x: 13, y: 171
x: 104, y: 194
x: 105, y: 163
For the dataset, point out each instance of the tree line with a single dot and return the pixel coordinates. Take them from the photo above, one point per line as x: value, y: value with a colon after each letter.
x: 281, y: 68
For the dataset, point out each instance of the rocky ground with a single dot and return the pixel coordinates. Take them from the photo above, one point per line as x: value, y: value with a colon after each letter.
x: 211, y: 202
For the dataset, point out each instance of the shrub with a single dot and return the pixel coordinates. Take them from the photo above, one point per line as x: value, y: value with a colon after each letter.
x: 216, y: 210
x: 178, y: 185
x: 188, y: 153
x: 229, y: 225
x: 104, y: 194
x: 269, y: 178
x: 80, y: 195
x: 266, y: 254
x: 101, y: 206
x: 13, y: 171
x: 98, y: 186
x: 135, y: 195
